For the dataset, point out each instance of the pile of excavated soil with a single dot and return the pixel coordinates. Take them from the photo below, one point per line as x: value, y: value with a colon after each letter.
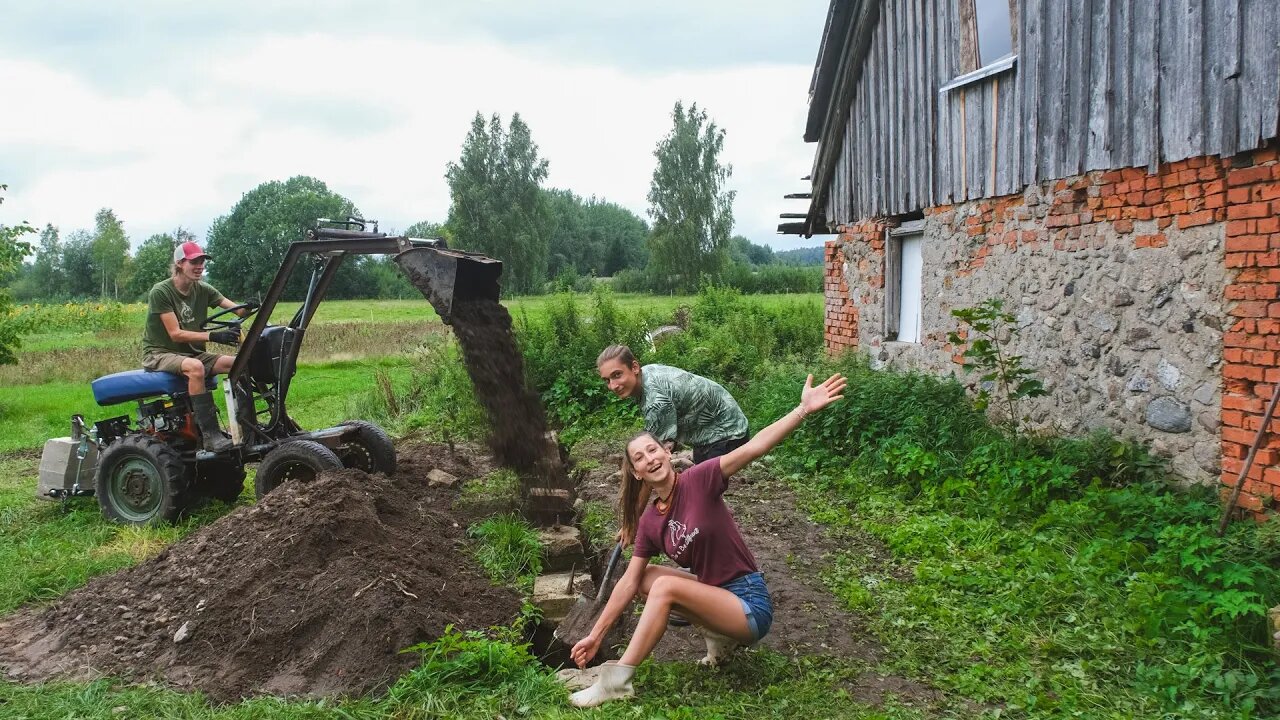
x: 312, y: 591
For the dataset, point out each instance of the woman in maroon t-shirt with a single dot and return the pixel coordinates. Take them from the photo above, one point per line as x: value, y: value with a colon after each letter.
x: 688, y: 522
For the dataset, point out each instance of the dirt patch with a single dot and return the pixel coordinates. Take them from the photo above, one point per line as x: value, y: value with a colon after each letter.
x: 312, y: 591
x: 790, y: 550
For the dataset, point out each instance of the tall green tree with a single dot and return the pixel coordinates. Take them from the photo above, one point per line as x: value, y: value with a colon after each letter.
x: 78, y: 266
x: 153, y: 262
x: 248, y: 244
x: 110, y: 251
x: 12, y: 250
x: 46, y: 276
x: 743, y: 251
x: 427, y: 229
x: 619, y: 235
x: 569, y: 248
x: 497, y: 205
x: 691, y: 209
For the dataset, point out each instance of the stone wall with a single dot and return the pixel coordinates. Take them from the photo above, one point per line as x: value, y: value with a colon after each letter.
x: 1141, y: 299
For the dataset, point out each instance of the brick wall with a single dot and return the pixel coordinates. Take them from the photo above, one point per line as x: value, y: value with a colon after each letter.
x: 841, y: 323
x: 1250, y: 345
x: 1223, y: 211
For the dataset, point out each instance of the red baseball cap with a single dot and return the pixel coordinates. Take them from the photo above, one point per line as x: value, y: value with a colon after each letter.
x: 188, y: 251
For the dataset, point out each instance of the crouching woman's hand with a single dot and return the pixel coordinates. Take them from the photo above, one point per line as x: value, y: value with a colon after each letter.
x: 584, y: 650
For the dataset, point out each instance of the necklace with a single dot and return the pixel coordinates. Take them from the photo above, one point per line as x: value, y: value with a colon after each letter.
x: 662, y: 505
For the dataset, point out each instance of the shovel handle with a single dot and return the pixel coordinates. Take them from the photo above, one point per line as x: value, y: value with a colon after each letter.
x: 608, y: 571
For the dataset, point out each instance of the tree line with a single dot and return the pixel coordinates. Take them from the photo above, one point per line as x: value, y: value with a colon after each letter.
x: 547, y: 238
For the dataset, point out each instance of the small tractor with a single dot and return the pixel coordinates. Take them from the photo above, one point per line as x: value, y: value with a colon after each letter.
x: 154, y: 468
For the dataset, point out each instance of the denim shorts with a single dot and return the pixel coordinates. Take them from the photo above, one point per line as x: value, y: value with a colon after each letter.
x: 754, y: 596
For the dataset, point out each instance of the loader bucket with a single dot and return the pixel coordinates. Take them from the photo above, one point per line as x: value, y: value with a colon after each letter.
x: 447, y: 277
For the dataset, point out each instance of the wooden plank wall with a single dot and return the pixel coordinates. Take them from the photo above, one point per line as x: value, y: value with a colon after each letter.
x: 1098, y: 84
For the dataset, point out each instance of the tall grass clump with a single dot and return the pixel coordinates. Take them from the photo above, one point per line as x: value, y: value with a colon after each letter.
x: 438, y: 397
x: 733, y: 339
x: 466, y: 674
x: 508, y: 549
x: 1056, y: 576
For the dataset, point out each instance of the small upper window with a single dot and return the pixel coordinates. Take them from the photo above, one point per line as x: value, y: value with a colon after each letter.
x: 995, y: 30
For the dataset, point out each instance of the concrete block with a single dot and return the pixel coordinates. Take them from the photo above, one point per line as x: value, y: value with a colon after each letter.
x: 553, y: 595
x: 561, y: 548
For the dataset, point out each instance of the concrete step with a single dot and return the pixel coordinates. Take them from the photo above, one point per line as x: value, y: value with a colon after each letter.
x: 562, y: 549
x: 554, y: 596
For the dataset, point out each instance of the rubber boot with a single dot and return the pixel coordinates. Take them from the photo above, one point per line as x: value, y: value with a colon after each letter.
x: 614, y: 684
x: 207, y: 420
x: 719, y: 648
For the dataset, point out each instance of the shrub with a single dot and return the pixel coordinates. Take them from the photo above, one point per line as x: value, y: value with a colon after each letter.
x: 69, y: 317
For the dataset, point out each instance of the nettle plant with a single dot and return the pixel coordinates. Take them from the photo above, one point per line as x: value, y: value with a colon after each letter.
x: 984, y: 326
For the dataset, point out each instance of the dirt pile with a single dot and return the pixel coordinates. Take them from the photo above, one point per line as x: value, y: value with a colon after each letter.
x: 312, y: 591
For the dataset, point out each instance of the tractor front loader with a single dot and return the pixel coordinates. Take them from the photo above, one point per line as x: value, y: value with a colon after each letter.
x: 154, y: 467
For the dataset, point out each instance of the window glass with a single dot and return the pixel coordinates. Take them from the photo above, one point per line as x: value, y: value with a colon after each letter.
x: 995, y: 38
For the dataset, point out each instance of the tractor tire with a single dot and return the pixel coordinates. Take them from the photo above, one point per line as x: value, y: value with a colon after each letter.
x: 370, y: 450
x: 220, y: 480
x: 142, y: 481
x: 295, y: 461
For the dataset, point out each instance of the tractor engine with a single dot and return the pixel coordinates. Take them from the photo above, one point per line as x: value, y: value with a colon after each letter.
x: 165, y: 417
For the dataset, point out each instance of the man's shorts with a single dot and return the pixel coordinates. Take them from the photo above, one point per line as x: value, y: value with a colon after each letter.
x: 172, y: 362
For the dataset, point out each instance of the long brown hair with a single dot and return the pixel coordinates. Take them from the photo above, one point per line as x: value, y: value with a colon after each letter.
x: 634, y: 494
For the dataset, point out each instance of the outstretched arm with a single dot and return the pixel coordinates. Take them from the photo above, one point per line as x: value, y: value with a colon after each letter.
x: 812, y: 399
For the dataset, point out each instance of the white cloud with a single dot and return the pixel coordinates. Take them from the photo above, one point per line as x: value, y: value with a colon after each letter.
x: 376, y: 118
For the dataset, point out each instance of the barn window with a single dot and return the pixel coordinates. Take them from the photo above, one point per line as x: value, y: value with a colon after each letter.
x: 904, y: 279
x: 988, y: 39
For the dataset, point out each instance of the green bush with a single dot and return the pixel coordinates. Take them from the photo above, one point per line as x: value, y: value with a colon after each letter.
x: 560, y: 360
x: 1057, y: 576
x: 772, y: 279
x: 735, y: 340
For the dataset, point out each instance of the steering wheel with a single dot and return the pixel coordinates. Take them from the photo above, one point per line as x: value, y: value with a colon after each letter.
x: 215, y: 321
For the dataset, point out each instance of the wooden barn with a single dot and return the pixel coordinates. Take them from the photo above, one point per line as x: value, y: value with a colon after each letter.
x: 1108, y: 168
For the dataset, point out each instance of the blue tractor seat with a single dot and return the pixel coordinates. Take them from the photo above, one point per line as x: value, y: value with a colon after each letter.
x: 140, y: 384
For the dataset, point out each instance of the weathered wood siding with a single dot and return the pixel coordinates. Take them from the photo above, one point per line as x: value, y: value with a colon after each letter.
x: 1098, y: 84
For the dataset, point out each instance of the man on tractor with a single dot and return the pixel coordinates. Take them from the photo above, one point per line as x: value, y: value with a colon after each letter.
x: 173, y: 342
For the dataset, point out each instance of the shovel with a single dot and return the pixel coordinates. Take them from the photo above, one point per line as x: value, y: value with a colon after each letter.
x: 582, y: 616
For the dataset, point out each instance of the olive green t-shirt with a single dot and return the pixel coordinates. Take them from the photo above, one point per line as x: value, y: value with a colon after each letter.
x: 191, y: 310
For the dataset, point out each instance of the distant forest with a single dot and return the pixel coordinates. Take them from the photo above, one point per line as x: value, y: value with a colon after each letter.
x: 799, y: 256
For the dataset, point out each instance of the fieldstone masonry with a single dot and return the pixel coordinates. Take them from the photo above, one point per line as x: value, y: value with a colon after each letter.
x: 1147, y: 303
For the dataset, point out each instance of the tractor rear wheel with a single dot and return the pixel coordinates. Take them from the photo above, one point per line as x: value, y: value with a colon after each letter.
x: 294, y: 461
x: 220, y: 480
x: 140, y: 481
x: 369, y: 449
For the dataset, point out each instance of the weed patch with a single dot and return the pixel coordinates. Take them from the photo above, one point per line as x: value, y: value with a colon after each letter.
x: 1055, y: 577
x: 509, y: 550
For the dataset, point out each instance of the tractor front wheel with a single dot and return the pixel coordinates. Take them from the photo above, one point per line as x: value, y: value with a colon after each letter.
x: 140, y: 481
x: 368, y: 449
x: 294, y: 461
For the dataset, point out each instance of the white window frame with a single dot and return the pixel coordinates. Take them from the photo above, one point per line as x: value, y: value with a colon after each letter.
x: 893, y: 281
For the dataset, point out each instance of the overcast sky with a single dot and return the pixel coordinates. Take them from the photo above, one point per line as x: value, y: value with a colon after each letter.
x: 167, y: 112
